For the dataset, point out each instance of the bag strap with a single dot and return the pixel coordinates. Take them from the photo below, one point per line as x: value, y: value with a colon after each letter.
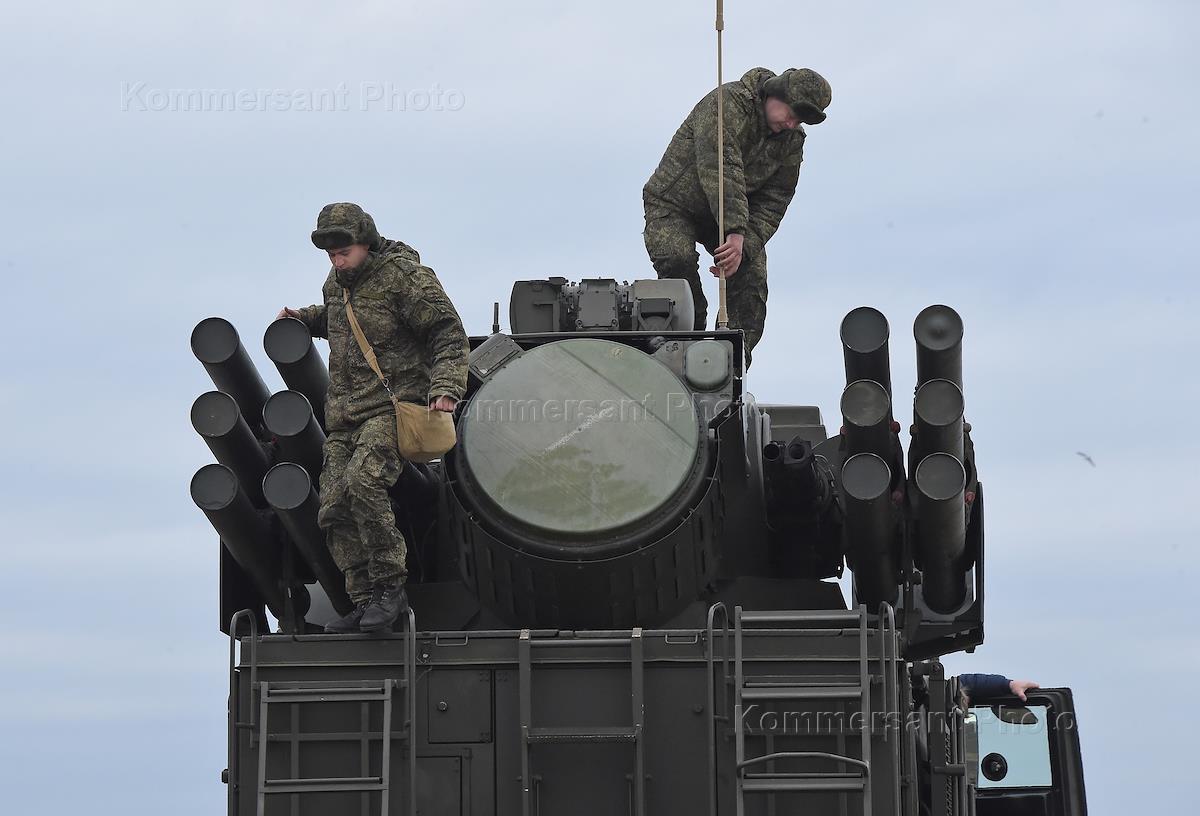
x: 365, y: 346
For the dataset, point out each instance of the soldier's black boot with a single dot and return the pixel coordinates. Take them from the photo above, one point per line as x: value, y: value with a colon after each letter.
x: 349, y: 622
x: 386, y: 605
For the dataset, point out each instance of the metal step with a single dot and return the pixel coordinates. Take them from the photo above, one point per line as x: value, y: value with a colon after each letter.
x: 583, y: 734
x: 802, y: 693
x: 337, y: 784
x: 769, y: 784
x: 396, y: 735
x: 322, y: 693
x: 802, y: 616
x: 801, y: 679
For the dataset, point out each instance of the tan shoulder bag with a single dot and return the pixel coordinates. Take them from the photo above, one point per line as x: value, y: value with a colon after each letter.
x: 422, y: 434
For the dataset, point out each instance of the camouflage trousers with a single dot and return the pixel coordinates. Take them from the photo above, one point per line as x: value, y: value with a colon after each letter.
x: 356, y: 512
x: 671, y: 239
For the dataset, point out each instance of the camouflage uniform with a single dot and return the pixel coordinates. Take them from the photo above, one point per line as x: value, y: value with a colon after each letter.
x: 389, y: 247
x: 421, y: 347
x: 761, y: 171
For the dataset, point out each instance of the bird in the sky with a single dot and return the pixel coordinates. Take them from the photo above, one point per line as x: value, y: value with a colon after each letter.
x: 1086, y: 458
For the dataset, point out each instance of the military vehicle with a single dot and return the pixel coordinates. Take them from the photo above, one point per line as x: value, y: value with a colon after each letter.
x: 624, y: 585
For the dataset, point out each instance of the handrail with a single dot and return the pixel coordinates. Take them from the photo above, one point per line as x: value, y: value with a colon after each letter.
x: 410, y: 693
x: 714, y: 718
x: 232, y: 753
x: 864, y: 673
x: 888, y: 635
x: 233, y: 639
x: 866, y: 766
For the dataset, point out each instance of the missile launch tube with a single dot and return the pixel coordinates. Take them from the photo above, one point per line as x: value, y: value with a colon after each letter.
x: 867, y: 418
x: 941, y: 530
x: 216, y: 344
x: 216, y: 417
x: 215, y: 491
x: 289, y: 418
x: 938, y: 419
x: 289, y: 491
x: 870, y: 529
x: 864, y: 334
x: 938, y: 331
x: 289, y: 344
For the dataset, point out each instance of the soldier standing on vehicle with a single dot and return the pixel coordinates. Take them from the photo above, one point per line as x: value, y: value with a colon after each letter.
x: 763, y: 147
x: 421, y: 349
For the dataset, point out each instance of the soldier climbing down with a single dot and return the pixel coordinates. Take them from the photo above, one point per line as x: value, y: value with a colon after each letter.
x: 422, y: 349
x: 763, y: 147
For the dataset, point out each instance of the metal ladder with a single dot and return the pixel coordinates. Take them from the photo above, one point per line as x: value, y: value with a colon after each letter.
x: 752, y: 689
x: 364, y: 692
x: 632, y: 733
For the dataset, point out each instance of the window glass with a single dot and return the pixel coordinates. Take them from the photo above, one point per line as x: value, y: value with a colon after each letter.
x: 1014, y: 746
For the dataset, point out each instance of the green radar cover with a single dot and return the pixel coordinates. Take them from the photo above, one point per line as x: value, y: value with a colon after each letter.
x: 581, y: 437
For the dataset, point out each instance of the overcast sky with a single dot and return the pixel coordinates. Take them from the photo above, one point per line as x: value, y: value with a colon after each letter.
x: 1032, y: 164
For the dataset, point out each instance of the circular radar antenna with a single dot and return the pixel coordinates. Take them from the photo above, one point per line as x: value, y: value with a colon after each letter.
x: 581, y: 439
x: 588, y: 455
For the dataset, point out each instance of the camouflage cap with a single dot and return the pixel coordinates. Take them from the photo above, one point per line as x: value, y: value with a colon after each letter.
x: 806, y: 91
x: 343, y: 224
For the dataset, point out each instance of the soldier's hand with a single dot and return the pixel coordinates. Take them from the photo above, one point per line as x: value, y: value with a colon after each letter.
x: 443, y: 403
x: 728, y: 256
x: 1019, y: 687
x: 286, y: 312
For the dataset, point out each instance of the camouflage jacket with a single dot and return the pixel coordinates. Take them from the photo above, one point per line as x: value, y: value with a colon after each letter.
x: 761, y: 168
x: 390, y: 247
x: 410, y: 322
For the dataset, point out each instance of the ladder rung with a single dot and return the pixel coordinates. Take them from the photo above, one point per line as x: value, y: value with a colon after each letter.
x: 325, y: 697
x: 809, y: 775
x: 802, y: 680
x: 801, y: 616
x: 802, y: 693
x: 337, y: 784
x: 317, y: 693
x: 377, y: 687
x: 576, y: 642
x: 585, y: 733
x: 395, y: 734
x: 769, y: 784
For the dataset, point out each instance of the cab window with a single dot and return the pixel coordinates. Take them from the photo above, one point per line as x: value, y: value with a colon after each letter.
x: 1014, y: 746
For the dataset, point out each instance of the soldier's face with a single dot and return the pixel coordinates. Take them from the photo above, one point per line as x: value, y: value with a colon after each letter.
x: 780, y: 116
x: 348, y: 257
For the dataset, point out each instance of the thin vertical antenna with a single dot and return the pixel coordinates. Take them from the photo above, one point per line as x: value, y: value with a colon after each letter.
x: 722, y: 315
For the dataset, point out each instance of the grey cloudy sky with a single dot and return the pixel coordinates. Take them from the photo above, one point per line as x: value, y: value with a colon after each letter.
x: 1032, y: 164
